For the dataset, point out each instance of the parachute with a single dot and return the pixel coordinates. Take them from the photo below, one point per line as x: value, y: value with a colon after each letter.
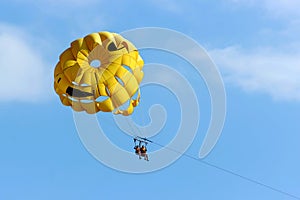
x: 106, y: 87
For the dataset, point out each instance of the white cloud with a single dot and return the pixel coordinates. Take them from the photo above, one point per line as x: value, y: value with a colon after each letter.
x: 263, y: 70
x: 285, y: 7
x: 69, y: 3
x: 25, y: 76
x: 282, y: 8
x: 169, y: 5
x: 271, y: 69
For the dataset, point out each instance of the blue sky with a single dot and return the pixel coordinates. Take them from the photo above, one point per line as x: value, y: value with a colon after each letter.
x: 255, y: 45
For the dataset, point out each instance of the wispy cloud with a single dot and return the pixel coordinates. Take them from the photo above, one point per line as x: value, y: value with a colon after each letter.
x: 282, y: 8
x: 169, y: 5
x: 69, y: 3
x: 272, y: 68
x: 25, y: 75
x: 263, y: 70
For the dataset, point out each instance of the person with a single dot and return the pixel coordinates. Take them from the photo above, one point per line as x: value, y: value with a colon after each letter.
x: 144, y: 153
x: 138, y: 151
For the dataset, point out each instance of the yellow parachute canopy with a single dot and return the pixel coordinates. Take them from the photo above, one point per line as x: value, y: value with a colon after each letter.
x: 114, y: 83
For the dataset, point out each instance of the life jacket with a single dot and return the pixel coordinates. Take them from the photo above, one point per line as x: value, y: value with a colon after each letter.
x: 143, y: 150
x: 137, y: 150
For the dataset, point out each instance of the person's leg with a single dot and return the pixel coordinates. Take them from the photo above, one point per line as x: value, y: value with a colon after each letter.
x: 143, y: 155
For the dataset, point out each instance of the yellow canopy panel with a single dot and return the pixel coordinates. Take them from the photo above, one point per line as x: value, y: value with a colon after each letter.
x: 80, y: 84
